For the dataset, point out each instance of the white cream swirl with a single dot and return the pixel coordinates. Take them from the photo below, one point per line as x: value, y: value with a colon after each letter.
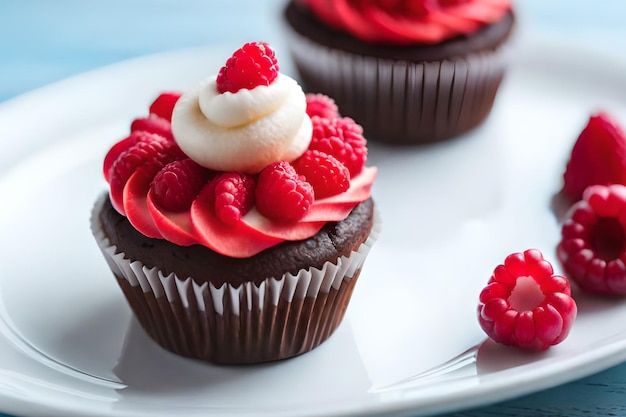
x: 243, y: 131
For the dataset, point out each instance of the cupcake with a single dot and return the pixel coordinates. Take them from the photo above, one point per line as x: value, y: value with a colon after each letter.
x: 239, y: 215
x: 409, y: 71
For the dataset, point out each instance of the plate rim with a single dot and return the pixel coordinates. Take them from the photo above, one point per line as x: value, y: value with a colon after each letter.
x: 610, y: 354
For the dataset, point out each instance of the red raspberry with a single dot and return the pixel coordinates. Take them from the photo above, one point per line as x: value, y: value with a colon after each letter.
x: 321, y: 106
x: 152, y: 124
x: 149, y: 155
x: 233, y: 196
x: 341, y: 138
x: 281, y: 194
x: 251, y: 65
x: 593, y: 240
x: 178, y: 183
x: 327, y: 175
x: 598, y: 157
x: 119, y: 148
x: 164, y: 104
x: 525, y: 304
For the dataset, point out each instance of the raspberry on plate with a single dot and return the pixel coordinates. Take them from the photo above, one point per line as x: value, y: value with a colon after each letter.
x: 592, y: 249
x: 525, y: 304
x: 598, y: 157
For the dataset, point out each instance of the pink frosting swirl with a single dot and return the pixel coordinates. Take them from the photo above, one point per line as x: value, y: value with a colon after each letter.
x: 402, y: 22
x: 133, y: 195
x: 253, y: 233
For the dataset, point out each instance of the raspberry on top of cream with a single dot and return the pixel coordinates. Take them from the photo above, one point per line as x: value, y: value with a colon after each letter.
x: 240, y: 163
x: 403, y: 22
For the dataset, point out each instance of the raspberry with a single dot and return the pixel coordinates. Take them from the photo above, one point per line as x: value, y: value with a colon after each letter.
x: 341, y: 138
x: 233, y: 194
x: 525, y: 304
x: 327, y: 175
x: 592, y: 249
x: 251, y: 65
x: 178, y: 183
x: 164, y: 104
x: 281, y: 194
x: 153, y: 124
x: 321, y: 106
x: 598, y: 157
x: 148, y: 155
x: 119, y: 148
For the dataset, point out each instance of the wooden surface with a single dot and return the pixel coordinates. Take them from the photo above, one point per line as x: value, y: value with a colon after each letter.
x: 43, y: 41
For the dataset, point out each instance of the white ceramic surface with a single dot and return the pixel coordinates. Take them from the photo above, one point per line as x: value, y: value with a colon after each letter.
x: 452, y: 212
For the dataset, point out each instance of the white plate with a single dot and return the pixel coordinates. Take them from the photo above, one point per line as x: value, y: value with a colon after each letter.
x: 452, y: 212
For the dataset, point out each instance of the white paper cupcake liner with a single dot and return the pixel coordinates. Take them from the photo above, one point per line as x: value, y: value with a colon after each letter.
x: 279, y: 318
x: 400, y: 101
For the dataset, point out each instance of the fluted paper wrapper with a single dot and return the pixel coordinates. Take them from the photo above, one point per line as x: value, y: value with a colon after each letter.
x: 398, y: 101
x: 280, y: 318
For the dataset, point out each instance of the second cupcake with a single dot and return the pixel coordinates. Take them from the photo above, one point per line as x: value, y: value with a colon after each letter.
x: 409, y: 71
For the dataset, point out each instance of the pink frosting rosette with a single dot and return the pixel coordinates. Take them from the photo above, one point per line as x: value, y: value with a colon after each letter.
x: 402, y: 22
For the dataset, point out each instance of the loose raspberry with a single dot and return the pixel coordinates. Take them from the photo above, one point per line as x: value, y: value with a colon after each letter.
x: 163, y: 105
x: 525, y: 304
x: 341, y: 138
x: 327, y: 175
x: 281, y: 194
x: 251, y: 65
x: 149, y: 155
x: 152, y: 124
x: 592, y: 249
x: 322, y: 106
x: 233, y: 194
x: 598, y: 157
x: 178, y: 183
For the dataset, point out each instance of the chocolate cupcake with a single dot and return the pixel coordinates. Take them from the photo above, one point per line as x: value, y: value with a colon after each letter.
x: 408, y: 71
x: 239, y: 215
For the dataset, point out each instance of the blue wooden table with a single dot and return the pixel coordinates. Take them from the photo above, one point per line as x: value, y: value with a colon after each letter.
x: 43, y: 41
